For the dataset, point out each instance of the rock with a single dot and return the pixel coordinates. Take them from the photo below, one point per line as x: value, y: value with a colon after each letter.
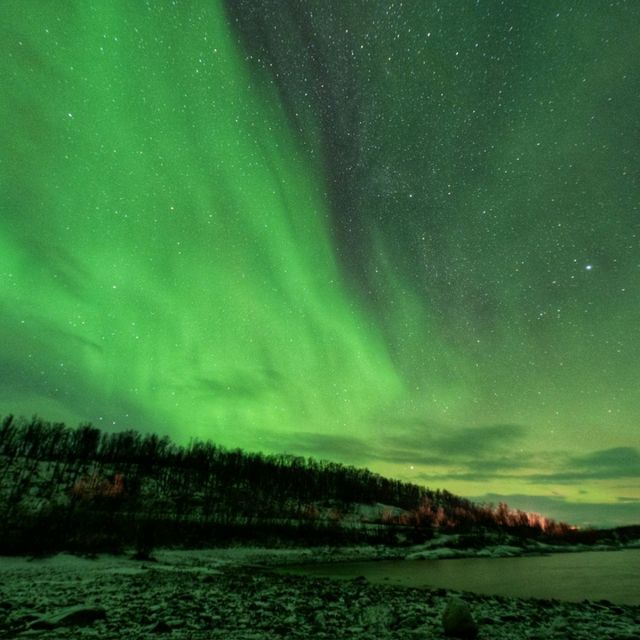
x: 559, y: 624
x: 175, y: 623
x: 458, y: 621
x: 78, y: 616
x: 160, y: 627
x: 320, y: 619
x: 617, y: 610
x: 377, y: 617
x: 424, y: 631
x: 143, y: 555
x: 40, y: 623
x: 25, y: 618
x: 512, y: 617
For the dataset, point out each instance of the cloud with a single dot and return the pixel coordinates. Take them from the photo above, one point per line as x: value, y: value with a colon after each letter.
x: 478, y: 450
x: 583, y: 514
x: 463, y: 476
x: 475, y: 450
x: 480, y: 440
x: 567, y: 468
x: 453, y: 441
x: 627, y: 458
x: 502, y: 462
x: 604, y: 464
x: 480, y: 454
x: 335, y: 447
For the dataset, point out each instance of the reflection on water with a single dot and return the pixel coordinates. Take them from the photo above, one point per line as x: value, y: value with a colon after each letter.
x: 595, y: 575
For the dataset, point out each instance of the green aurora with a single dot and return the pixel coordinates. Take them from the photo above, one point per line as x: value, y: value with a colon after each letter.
x: 400, y: 236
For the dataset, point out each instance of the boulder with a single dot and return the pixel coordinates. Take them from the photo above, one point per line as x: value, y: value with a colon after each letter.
x: 458, y: 621
x: 161, y: 627
x: 78, y: 616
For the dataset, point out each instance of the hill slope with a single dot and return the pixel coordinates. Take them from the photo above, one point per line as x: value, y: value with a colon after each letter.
x: 91, y: 489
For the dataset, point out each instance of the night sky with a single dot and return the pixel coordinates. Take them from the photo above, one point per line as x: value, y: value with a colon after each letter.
x: 402, y: 235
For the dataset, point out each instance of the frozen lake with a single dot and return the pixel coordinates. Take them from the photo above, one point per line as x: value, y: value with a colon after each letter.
x: 594, y: 575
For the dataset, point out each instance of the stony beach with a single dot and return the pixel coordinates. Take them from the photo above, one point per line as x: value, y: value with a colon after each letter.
x: 235, y: 595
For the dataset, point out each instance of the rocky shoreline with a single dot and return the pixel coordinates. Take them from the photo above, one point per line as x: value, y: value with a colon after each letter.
x: 209, y: 594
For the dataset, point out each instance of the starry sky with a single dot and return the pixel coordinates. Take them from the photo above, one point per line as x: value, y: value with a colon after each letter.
x: 401, y: 235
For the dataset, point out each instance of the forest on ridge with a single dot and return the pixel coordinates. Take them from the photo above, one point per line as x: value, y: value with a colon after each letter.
x: 91, y: 490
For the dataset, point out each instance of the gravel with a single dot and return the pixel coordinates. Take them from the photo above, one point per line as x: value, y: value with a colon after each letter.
x: 208, y: 595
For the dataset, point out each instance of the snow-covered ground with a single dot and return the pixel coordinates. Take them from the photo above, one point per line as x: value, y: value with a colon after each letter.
x: 232, y: 594
x: 449, y: 546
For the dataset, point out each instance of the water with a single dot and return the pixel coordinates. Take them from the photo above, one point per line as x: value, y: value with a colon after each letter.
x: 594, y: 575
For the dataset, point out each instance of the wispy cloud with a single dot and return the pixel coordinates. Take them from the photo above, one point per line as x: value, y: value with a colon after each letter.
x: 604, y: 464
x: 452, y: 441
x: 564, y: 467
x: 481, y: 449
x: 480, y: 440
x: 579, y: 513
x: 318, y: 445
x: 473, y: 454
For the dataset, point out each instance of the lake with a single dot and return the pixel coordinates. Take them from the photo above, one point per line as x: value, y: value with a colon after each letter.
x: 593, y: 575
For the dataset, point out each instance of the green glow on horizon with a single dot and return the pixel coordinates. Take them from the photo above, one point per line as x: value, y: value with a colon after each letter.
x: 170, y: 257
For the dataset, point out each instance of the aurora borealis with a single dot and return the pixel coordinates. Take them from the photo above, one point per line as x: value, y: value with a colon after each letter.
x: 400, y: 235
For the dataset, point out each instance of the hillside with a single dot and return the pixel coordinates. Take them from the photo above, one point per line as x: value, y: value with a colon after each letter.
x: 90, y: 490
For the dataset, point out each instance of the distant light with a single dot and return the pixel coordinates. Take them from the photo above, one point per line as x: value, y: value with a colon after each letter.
x: 588, y: 267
